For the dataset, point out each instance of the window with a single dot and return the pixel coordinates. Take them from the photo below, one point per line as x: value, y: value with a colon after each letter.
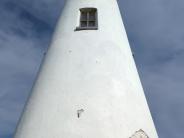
x: 88, y: 19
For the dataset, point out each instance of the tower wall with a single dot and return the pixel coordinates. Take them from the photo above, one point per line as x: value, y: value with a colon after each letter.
x: 88, y: 85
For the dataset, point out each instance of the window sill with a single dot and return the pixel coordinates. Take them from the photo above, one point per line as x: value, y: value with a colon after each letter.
x: 85, y: 28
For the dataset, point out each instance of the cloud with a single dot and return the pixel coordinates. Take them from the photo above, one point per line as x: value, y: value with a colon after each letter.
x: 45, y: 10
x: 23, y: 40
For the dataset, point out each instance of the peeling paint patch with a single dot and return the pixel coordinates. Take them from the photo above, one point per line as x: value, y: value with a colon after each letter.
x: 139, y: 134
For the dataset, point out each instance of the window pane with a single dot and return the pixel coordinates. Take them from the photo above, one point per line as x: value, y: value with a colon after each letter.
x: 83, y: 23
x: 91, y: 24
x: 88, y: 19
x: 83, y: 16
x: 92, y: 16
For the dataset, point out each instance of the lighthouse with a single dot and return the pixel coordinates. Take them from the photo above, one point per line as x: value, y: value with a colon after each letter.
x: 88, y: 85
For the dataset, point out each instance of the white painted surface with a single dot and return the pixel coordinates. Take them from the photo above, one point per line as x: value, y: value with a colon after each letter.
x: 91, y: 70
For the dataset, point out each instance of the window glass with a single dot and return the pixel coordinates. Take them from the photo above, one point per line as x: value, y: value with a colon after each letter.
x: 83, y: 23
x: 91, y: 24
x: 83, y: 16
x: 88, y: 19
x: 92, y: 15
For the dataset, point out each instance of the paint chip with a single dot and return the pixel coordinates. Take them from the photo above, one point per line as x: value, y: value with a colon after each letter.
x: 79, y: 112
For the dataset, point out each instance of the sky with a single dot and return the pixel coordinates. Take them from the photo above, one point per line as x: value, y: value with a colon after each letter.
x: 156, y: 35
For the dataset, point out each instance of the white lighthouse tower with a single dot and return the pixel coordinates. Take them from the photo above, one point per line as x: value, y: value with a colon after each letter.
x: 88, y: 85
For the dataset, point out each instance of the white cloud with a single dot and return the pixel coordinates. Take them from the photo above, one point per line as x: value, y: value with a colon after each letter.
x: 23, y: 39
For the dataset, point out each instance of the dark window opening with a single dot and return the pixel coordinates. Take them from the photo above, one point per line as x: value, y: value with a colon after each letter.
x: 88, y: 19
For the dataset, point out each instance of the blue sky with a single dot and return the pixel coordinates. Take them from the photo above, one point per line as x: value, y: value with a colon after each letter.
x: 156, y: 34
